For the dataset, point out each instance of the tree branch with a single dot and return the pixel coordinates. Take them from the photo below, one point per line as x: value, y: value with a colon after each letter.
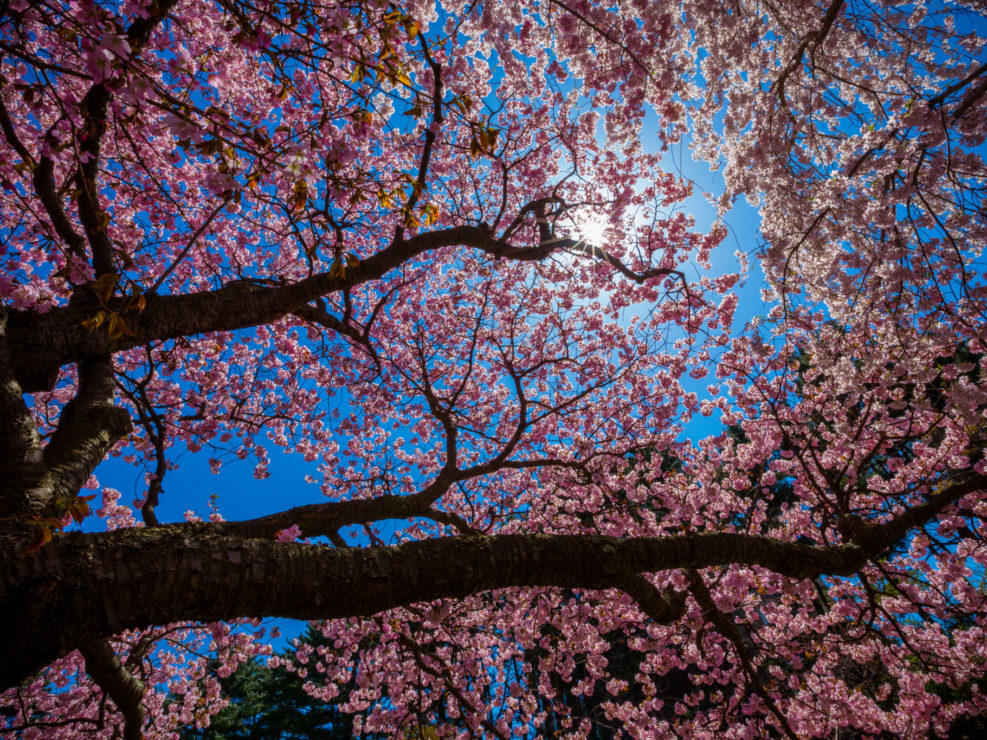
x: 878, y: 537
x: 80, y: 585
x: 322, y: 520
x: 88, y: 427
x: 938, y: 100
x: 41, y: 343
x: 43, y: 181
x: 726, y: 627
x: 25, y: 489
x: 319, y: 315
x: 663, y: 608
x: 94, y: 107
x: 422, y: 178
x: 105, y: 668
x: 815, y: 38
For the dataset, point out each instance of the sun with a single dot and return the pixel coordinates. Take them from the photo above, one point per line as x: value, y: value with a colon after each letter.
x: 590, y: 227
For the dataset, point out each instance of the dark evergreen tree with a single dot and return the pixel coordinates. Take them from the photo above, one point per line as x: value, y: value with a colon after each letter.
x: 270, y: 703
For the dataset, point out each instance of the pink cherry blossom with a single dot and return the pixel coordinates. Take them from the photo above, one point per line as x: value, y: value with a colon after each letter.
x: 567, y: 472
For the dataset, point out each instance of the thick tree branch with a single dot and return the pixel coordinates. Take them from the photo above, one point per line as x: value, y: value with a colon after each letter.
x: 120, y: 685
x: 325, y: 519
x: 41, y: 343
x: 25, y: 488
x: 102, y: 584
x: 81, y: 585
x: 88, y: 427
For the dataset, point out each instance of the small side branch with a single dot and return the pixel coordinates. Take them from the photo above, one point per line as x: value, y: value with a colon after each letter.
x: 453, y: 520
x: 726, y: 627
x: 956, y: 86
x: 43, y: 181
x: 155, y: 431
x: 94, y: 108
x: 319, y: 315
x: 324, y: 520
x: 874, y: 538
x: 546, y: 211
x: 419, y: 653
x: 589, y: 250
x: 422, y: 178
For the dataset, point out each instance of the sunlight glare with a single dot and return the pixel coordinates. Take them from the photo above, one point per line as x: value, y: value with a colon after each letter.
x: 590, y: 227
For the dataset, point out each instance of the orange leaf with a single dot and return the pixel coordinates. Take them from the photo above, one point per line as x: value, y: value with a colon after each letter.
x: 431, y: 214
x: 118, y: 327
x: 79, y: 508
x: 337, y: 269
x: 43, y: 530
x: 94, y: 323
x: 137, y: 301
x: 298, y: 196
x: 105, y: 285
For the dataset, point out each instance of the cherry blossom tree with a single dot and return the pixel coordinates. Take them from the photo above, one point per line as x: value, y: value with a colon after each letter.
x: 353, y: 232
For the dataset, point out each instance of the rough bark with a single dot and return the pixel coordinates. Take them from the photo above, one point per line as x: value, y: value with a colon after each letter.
x: 40, y: 343
x: 105, y: 668
x: 85, y: 586
x: 88, y: 427
x: 25, y: 488
x: 88, y: 586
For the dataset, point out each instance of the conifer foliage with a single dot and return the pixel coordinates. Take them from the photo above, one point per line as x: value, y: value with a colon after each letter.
x: 435, y: 253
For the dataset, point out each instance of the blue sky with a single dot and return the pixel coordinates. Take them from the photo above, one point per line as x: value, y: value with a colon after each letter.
x: 237, y: 494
